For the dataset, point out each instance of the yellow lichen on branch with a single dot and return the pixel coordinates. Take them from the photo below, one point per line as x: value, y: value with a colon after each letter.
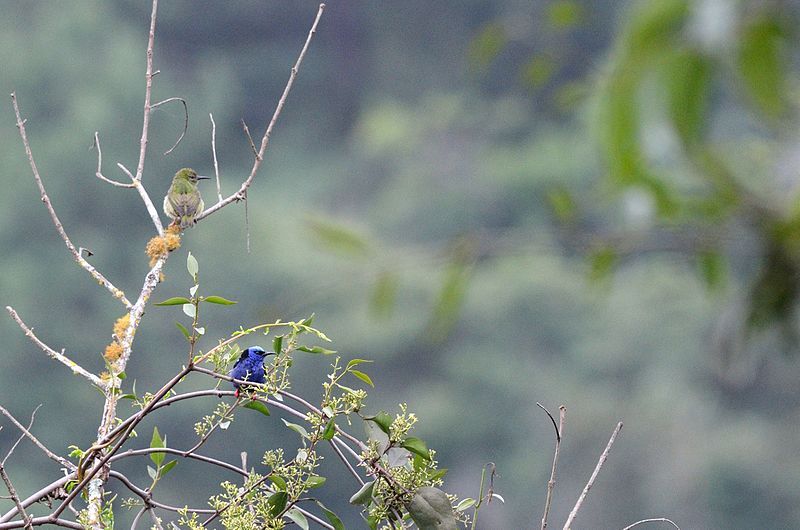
x: 159, y: 246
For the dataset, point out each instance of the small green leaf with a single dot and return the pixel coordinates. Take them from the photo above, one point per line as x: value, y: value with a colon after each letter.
x: 562, y: 204
x: 602, y: 262
x: 157, y: 442
x: 339, y: 239
x: 307, y: 321
x: 364, y: 377
x: 298, y: 518
x: 258, y: 406
x: 189, y: 310
x: 356, y: 362
x: 122, y: 376
x: 417, y: 446
x: 218, y: 300
x: 315, y: 481
x: 128, y: 396
x: 431, y: 510
x: 279, y: 482
x: 183, y: 330
x: 299, y: 429
x: 316, y: 349
x: 762, y: 62
x: 363, y: 495
x: 465, y: 504
x: 439, y: 473
x: 277, y: 502
x: 712, y: 267
x: 177, y: 300
x: 191, y: 265
x: 330, y: 430
x: 332, y: 517
x: 384, y: 295
x: 277, y: 344
x: 167, y: 468
x: 152, y: 473
x: 382, y: 420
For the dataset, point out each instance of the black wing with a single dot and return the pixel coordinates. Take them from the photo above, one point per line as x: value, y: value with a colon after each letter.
x: 242, y: 357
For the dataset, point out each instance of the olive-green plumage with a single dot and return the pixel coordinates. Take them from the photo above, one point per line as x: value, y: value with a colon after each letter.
x: 183, y: 201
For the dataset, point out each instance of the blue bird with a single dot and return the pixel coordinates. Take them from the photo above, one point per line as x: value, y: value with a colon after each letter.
x: 250, y: 366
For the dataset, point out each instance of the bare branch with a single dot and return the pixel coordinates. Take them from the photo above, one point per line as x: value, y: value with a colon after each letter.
x: 39, y: 521
x: 250, y: 139
x: 173, y: 451
x: 43, y: 493
x: 585, y: 492
x: 562, y: 412
x: 99, y: 172
x: 185, y: 120
x: 265, y: 139
x: 13, y: 492
x: 214, y: 152
x: 151, y: 209
x: 148, y: 90
x: 60, y: 357
x: 116, y: 293
x: 21, y: 436
x: 655, y: 520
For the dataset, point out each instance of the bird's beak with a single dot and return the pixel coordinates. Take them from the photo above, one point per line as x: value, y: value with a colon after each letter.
x: 202, y: 177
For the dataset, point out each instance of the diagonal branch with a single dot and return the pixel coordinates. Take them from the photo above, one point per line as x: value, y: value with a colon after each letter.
x: 13, y: 492
x: 51, y: 455
x: 562, y: 412
x: 99, y: 172
x: 239, y: 195
x: 60, y: 357
x: 116, y: 293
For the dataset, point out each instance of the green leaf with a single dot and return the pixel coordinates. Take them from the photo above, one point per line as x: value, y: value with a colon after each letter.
x: 384, y: 294
x: 191, y: 265
x: 417, y: 446
x: 364, y: 377
x: 562, y: 204
x: 356, y: 362
x: 487, y: 45
x: 299, y: 519
x: 330, y: 430
x: 439, y: 473
x: 279, y: 482
x: 564, y: 14
x: 177, y: 300
x: 465, y: 504
x: 712, y: 268
x: 308, y: 321
x: 277, y: 344
x: 453, y: 290
x: 152, y: 473
x: 382, y: 419
x: 257, y: 406
x: 431, y: 510
x: 762, y: 64
x: 332, y: 517
x: 316, y: 349
x: 157, y: 442
x: 339, y: 239
x: 167, y: 468
x: 688, y: 80
x: 299, y: 429
x: 601, y: 263
x: 189, y: 310
x: 277, y: 502
x: 218, y: 300
x: 364, y: 494
x: 315, y: 481
x: 183, y: 330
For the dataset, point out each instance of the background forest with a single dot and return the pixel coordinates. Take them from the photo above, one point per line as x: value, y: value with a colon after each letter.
x: 587, y: 203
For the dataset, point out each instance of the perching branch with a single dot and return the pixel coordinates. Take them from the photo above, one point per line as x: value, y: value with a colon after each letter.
x: 585, y: 492
x: 60, y: 357
x: 239, y: 195
x: 562, y: 412
x: 116, y: 293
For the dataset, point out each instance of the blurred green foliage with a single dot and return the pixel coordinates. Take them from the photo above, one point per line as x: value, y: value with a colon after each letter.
x: 473, y: 167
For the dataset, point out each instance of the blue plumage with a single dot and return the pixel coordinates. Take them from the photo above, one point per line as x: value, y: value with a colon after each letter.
x: 250, y: 366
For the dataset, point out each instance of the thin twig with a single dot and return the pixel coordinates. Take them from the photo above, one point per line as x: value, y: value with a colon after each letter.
x: 655, y: 520
x: 148, y: 89
x: 60, y: 357
x: 116, y: 293
x: 173, y: 451
x: 185, y: 121
x: 562, y: 411
x: 214, y: 153
x: 13, y: 492
x: 589, y: 484
x: 21, y: 436
x: 265, y: 139
x: 138, y: 516
x: 99, y: 172
x: 151, y: 209
x: 37, y: 496
x: 250, y: 138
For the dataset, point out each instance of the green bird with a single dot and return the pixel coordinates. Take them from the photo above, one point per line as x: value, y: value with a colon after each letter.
x: 183, y: 201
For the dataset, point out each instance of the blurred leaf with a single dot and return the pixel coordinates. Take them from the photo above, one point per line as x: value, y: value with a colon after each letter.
x: 332, y: 517
x: 762, y: 64
x: 564, y: 14
x: 315, y: 481
x: 688, y: 78
x: 538, y: 71
x: 384, y: 294
x: 487, y: 45
x: 562, y: 203
x: 712, y: 269
x: 298, y: 518
x: 364, y: 377
x: 339, y: 238
x: 177, y: 300
x: 258, y: 406
x: 602, y: 262
x: 183, y: 330
x: 191, y: 265
x: 218, y: 300
x: 450, y: 299
x: 382, y: 420
x: 316, y: 349
x: 330, y: 430
x: 430, y: 509
x: 277, y: 502
x: 152, y: 473
x: 162, y: 472
x: 416, y: 446
x: 364, y: 494
x: 156, y: 443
